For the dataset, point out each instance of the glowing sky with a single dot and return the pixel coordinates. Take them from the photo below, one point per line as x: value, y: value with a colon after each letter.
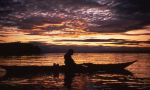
x: 76, y: 22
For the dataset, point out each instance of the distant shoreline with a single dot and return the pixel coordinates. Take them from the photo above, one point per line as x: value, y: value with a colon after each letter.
x: 104, y: 52
x: 18, y: 48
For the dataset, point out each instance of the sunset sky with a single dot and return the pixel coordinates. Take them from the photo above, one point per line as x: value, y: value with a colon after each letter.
x: 114, y: 23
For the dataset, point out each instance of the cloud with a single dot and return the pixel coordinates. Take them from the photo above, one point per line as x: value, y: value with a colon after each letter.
x: 102, y: 16
x: 96, y: 40
x: 109, y: 41
x: 42, y: 11
x: 2, y: 41
x: 29, y: 23
x: 114, y: 26
x: 143, y: 31
x: 2, y: 36
x: 133, y: 6
x: 133, y: 10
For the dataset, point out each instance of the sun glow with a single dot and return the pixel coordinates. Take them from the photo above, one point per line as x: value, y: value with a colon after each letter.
x: 59, y: 37
x: 74, y: 32
x: 139, y: 31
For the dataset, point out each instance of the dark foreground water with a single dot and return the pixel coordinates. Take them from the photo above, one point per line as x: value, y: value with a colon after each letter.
x: 137, y: 78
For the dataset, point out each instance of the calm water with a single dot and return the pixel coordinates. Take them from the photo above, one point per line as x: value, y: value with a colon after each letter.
x: 139, y: 79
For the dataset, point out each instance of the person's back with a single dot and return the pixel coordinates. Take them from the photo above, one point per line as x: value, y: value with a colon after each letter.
x: 69, y: 62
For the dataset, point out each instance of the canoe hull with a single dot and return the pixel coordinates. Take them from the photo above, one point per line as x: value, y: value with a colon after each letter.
x: 86, y: 67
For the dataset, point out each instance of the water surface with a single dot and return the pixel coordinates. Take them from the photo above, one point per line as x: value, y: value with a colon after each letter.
x: 139, y: 79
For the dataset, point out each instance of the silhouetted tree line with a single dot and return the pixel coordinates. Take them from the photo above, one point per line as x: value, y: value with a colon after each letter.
x: 17, y: 48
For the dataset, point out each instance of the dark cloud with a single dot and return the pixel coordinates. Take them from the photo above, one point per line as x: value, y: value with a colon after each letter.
x: 138, y: 10
x: 30, y: 22
x: 133, y: 6
x: 96, y: 40
x: 110, y: 41
x: 101, y: 15
x: 136, y: 34
x: 115, y: 26
x: 2, y: 36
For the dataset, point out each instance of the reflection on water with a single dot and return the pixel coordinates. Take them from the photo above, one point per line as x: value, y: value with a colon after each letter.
x: 79, y: 81
x: 49, y: 59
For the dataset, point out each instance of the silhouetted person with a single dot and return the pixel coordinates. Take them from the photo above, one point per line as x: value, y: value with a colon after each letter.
x: 70, y: 66
x: 69, y: 62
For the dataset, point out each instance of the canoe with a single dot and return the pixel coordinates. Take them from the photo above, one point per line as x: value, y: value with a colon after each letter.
x: 85, y: 67
x: 108, y: 67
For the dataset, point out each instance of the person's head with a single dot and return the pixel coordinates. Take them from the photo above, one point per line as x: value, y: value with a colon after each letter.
x: 70, y: 52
